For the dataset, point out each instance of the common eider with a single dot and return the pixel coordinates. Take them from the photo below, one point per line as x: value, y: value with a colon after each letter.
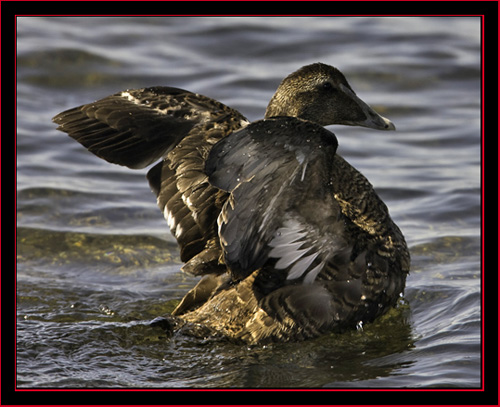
x: 290, y: 240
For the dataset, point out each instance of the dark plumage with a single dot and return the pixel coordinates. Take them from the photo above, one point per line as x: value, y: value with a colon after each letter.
x: 291, y: 240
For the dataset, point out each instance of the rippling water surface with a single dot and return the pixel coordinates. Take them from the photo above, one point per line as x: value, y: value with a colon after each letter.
x: 96, y: 262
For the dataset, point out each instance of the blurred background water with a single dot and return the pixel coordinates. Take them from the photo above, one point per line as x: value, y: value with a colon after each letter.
x: 96, y: 262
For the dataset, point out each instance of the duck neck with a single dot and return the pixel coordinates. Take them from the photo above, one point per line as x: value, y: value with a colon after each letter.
x: 280, y: 106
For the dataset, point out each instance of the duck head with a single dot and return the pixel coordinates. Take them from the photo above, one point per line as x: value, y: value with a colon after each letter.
x: 321, y: 94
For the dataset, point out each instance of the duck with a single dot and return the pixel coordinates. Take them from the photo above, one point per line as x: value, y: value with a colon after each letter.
x: 291, y: 242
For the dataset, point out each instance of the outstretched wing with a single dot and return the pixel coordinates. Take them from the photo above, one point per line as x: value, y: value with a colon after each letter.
x: 138, y: 127
x: 280, y: 208
x: 133, y: 128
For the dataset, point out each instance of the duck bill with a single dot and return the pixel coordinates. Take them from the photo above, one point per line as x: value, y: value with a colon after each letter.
x: 371, y: 118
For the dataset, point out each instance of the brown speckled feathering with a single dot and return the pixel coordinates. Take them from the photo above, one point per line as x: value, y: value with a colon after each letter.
x: 290, y: 240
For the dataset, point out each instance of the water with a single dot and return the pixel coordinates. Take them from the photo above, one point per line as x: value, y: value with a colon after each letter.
x: 96, y: 262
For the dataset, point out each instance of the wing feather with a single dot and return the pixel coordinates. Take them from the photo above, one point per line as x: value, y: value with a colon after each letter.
x: 138, y: 127
x: 270, y: 170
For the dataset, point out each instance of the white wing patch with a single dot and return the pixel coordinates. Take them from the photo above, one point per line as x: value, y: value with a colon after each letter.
x: 192, y: 112
x: 244, y: 123
x: 169, y: 216
x: 291, y: 249
x: 144, y: 102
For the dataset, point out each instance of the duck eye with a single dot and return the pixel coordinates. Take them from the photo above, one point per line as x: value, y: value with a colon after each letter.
x: 327, y: 86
